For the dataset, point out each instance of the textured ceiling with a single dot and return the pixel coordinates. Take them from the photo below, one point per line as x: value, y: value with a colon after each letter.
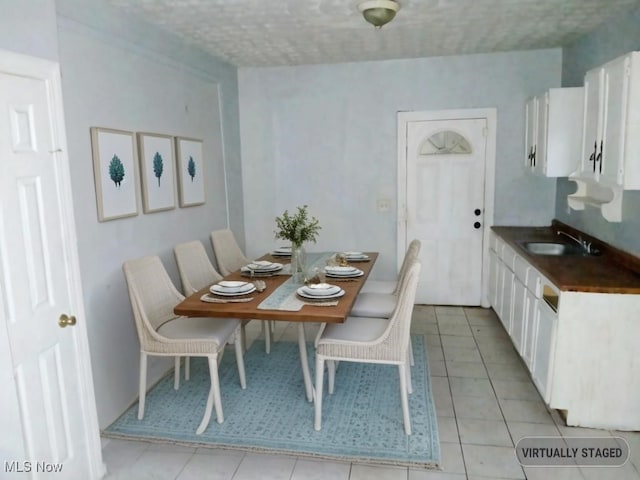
x: 295, y: 32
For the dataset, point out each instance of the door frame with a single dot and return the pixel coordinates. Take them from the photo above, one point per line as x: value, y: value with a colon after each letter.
x: 13, y: 63
x: 404, y: 118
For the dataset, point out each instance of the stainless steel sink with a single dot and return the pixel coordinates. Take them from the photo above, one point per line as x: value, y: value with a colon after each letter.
x: 553, y: 248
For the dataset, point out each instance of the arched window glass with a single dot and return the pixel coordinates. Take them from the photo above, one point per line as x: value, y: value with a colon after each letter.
x: 445, y: 142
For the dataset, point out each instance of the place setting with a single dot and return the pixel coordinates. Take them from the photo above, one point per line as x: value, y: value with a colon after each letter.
x: 341, y: 272
x: 282, y: 252
x: 261, y: 268
x: 316, y: 290
x: 352, y: 256
x: 227, y: 291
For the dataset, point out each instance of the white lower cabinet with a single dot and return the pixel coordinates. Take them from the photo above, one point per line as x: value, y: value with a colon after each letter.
x: 580, y: 347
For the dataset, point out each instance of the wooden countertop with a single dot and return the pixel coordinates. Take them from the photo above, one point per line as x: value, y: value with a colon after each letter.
x: 612, y: 272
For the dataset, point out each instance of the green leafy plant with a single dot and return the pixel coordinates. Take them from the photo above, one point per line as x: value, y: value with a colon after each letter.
x: 157, y: 166
x: 297, y: 228
x: 116, y: 170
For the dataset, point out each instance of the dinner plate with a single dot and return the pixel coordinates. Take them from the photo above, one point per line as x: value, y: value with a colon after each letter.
x: 282, y: 252
x: 356, y: 273
x: 316, y: 291
x: 303, y: 294
x: 230, y: 292
x: 355, y: 257
x: 340, y: 270
x: 263, y: 266
x: 229, y: 286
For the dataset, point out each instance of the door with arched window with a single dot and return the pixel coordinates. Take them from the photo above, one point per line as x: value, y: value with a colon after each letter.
x: 445, y: 206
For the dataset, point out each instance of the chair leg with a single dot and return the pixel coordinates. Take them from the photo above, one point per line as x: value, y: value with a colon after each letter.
x: 331, y: 374
x: 408, y: 372
x: 412, y: 360
x: 213, y: 398
x: 404, y: 398
x: 240, y: 359
x: 142, y: 386
x: 187, y: 368
x: 317, y: 424
x: 176, y: 373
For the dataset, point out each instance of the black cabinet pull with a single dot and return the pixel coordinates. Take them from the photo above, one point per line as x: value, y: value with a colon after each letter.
x: 476, y: 225
x: 533, y: 156
x: 599, y: 157
x: 592, y: 157
x: 477, y: 212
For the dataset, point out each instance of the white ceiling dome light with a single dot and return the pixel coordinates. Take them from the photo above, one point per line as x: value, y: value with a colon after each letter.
x: 379, y: 12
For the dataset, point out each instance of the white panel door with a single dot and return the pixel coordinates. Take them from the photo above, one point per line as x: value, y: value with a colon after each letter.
x: 45, y: 376
x: 445, y: 207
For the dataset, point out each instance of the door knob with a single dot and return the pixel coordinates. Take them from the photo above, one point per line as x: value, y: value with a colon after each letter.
x: 476, y: 225
x: 66, y: 320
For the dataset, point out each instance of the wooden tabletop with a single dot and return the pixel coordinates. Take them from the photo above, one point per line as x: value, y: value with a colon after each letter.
x: 192, y: 306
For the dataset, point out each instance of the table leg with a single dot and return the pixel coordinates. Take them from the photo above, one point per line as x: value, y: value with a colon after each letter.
x: 306, y: 374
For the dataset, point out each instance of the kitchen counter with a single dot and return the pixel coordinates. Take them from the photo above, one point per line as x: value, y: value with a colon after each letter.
x: 613, y: 271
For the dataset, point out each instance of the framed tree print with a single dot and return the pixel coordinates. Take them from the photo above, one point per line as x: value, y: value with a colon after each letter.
x: 115, y: 173
x: 190, y: 171
x: 157, y: 172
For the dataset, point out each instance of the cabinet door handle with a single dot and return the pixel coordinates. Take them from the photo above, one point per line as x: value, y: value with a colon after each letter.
x: 477, y: 225
x: 477, y: 212
x: 592, y: 157
x: 599, y: 157
x: 533, y: 158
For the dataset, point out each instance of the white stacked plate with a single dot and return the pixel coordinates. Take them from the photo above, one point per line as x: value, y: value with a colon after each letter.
x: 343, y: 272
x: 232, y: 288
x: 282, y: 252
x: 320, y: 291
x: 356, y: 256
x: 263, y: 266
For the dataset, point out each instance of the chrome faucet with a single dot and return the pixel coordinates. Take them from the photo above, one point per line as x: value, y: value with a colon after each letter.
x: 586, y: 246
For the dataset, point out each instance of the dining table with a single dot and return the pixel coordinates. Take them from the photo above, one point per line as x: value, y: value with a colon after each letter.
x: 280, y: 302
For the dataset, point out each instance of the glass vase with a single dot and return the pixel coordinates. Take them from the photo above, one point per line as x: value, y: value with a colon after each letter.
x: 298, y: 263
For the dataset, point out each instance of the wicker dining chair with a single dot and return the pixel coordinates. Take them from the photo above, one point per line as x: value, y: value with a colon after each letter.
x: 162, y: 333
x: 229, y: 255
x: 230, y: 258
x: 391, y: 286
x: 372, y: 340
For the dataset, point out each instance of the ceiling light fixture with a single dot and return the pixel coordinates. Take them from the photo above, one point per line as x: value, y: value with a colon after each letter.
x: 378, y: 12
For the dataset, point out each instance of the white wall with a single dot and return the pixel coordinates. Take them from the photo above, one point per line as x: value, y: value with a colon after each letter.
x: 29, y: 27
x: 121, y: 74
x: 325, y: 135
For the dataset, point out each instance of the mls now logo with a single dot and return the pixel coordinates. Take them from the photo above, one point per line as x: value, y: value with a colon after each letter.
x: 27, y: 467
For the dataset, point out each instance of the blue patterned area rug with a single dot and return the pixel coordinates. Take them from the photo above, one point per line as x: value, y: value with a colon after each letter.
x: 361, y: 421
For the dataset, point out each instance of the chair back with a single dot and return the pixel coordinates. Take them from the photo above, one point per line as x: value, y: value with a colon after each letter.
x: 229, y: 256
x: 196, y: 270
x: 395, y: 339
x: 152, y: 296
x: 413, y: 250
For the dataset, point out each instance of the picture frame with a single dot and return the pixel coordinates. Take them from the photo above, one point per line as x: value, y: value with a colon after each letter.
x: 157, y: 172
x: 115, y: 170
x: 190, y: 171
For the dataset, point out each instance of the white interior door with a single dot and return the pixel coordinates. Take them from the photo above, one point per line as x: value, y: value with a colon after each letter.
x: 45, y: 368
x: 445, y: 206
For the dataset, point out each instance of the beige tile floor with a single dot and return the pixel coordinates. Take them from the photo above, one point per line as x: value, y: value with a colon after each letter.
x: 485, y: 402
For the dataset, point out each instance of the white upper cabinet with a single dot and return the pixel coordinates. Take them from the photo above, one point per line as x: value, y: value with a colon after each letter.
x: 610, y: 159
x: 553, y: 132
x: 611, y: 139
